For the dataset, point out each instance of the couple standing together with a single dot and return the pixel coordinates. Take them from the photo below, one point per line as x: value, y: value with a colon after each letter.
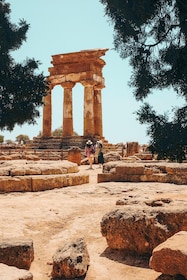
x: 91, y: 149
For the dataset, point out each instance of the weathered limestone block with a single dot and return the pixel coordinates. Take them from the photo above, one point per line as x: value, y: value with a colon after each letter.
x: 170, y: 257
x: 104, y: 177
x: 112, y: 156
x: 15, y: 184
x: 73, y: 168
x: 31, y: 157
x: 74, y: 155
x: 4, y: 172
x: 179, y: 169
x: 5, y: 157
x: 18, y: 253
x: 71, y: 261
x: 63, y: 170
x: 130, y: 169
x: 179, y: 179
x: 158, y: 177
x: 47, y: 182
x: 140, y: 172
x: 144, y: 156
x: 110, y: 167
x: 74, y: 179
x: 32, y: 170
x: 60, y: 167
x: 16, y: 156
x: 17, y: 171
x: 132, y: 148
x: 13, y: 273
x: 139, y: 229
x: 50, y: 170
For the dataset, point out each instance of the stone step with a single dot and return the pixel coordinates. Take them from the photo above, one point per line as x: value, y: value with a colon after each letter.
x: 65, y: 142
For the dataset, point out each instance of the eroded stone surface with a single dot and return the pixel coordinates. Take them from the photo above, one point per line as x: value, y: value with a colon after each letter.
x: 18, y: 253
x: 53, y: 217
x: 170, y: 257
x: 27, y: 176
x: 162, y: 172
x: 72, y: 260
x: 139, y: 230
x: 24, y: 167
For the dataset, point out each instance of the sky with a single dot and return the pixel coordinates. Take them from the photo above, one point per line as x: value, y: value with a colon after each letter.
x: 64, y: 26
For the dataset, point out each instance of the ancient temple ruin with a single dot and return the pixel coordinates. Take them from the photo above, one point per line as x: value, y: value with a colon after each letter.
x: 83, y: 67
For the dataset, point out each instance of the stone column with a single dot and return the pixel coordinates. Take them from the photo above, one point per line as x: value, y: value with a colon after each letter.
x: 98, y: 126
x: 88, y: 109
x: 67, y: 128
x: 47, y: 114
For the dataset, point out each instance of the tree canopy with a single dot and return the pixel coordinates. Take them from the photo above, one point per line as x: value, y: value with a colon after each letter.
x: 153, y: 35
x: 21, y: 89
x: 22, y: 138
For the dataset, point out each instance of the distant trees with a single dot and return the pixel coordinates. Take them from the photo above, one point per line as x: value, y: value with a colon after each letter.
x: 1, y: 139
x: 21, y: 138
x: 58, y: 132
x: 153, y: 35
x: 21, y: 89
x: 168, y: 139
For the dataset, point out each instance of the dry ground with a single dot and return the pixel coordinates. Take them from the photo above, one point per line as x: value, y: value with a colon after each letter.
x: 51, y: 218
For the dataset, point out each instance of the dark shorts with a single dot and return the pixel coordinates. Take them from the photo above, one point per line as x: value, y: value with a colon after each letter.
x: 100, y: 158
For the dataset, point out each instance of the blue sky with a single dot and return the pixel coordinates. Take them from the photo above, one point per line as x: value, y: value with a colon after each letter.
x: 63, y: 26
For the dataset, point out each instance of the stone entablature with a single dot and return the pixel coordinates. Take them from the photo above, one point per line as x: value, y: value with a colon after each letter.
x: 83, y: 67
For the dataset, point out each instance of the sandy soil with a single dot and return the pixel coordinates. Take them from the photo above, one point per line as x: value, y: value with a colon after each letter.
x: 51, y: 218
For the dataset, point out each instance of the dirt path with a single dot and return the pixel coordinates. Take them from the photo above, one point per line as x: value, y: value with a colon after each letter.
x: 51, y: 218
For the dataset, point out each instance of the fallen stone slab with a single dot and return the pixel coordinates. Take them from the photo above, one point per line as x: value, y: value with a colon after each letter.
x: 162, y: 172
x: 13, y: 273
x: 34, y: 183
x: 18, y: 253
x: 170, y: 257
x: 44, y: 182
x: 70, y: 261
x: 139, y: 229
x: 26, y: 167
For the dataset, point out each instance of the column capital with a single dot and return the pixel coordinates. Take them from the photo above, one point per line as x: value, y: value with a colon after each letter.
x: 99, y: 87
x: 89, y: 83
x: 67, y: 84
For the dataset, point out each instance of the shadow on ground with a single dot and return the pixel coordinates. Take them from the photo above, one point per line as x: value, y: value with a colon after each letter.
x: 76, y: 278
x: 122, y: 257
x: 134, y: 260
x: 169, y: 277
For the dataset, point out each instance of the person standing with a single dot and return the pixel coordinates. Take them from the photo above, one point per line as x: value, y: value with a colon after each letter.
x: 90, y: 151
x: 100, y: 156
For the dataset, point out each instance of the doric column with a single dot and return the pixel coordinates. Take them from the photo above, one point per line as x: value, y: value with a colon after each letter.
x: 67, y: 128
x: 47, y: 114
x: 98, y: 125
x: 88, y: 109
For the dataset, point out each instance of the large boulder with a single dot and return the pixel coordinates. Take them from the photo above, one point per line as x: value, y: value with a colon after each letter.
x: 170, y: 257
x: 18, y: 253
x: 70, y: 261
x: 139, y: 230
